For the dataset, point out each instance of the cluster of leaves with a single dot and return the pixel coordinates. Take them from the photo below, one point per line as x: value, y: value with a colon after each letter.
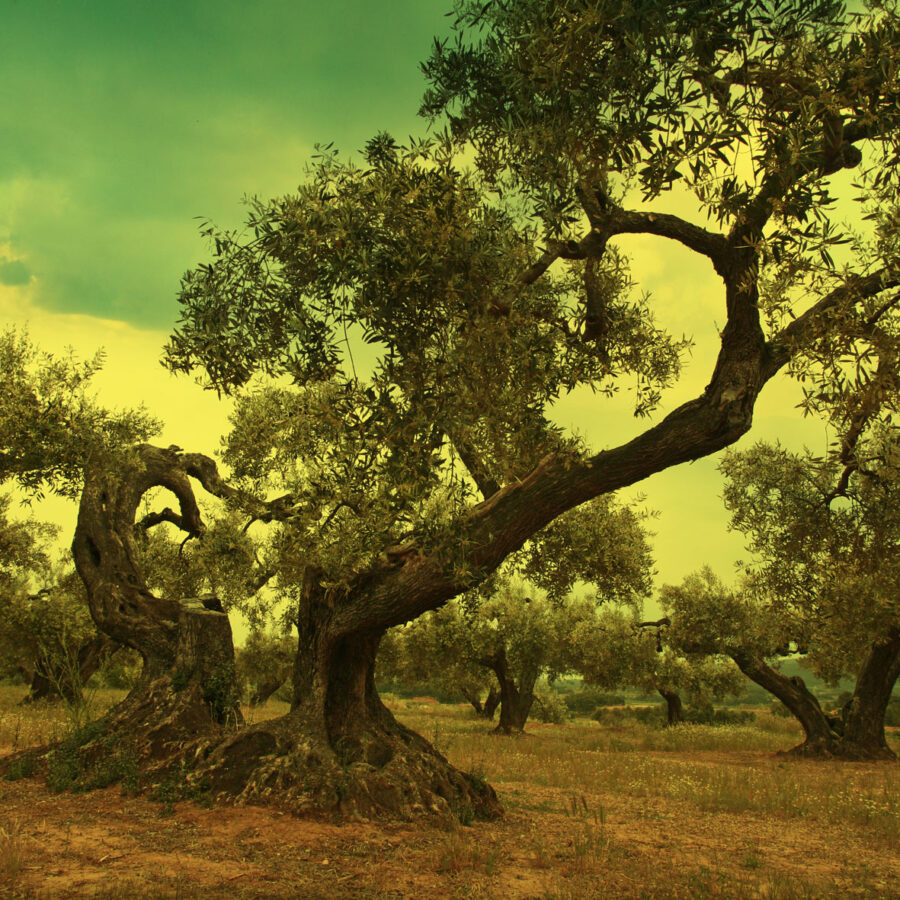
x: 455, y: 649
x: 223, y: 563
x: 824, y: 539
x: 43, y: 611
x: 50, y: 424
x: 614, y: 649
x: 556, y: 94
x: 266, y: 658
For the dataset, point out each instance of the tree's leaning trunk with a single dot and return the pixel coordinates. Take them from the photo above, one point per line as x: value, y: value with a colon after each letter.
x: 483, y: 709
x: 473, y: 698
x: 820, y: 738
x: 265, y: 689
x: 66, y: 680
x: 674, y: 709
x: 863, y: 716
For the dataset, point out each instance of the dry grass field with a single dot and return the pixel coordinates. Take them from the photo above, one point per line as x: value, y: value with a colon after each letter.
x: 591, y: 811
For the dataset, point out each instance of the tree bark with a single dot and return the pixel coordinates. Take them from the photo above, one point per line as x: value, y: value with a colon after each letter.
x: 863, y: 717
x: 819, y: 736
x: 186, y: 692
x: 516, y: 699
x: 66, y: 680
x: 491, y: 702
x: 859, y: 732
x: 674, y: 709
x: 483, y: 709
x: 340, y: 750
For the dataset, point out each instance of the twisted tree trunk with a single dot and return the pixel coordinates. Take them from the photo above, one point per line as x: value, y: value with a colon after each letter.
x: 819, y: 736
x: 859, y: 732
x: 340, y: 749
x: 491, y: 702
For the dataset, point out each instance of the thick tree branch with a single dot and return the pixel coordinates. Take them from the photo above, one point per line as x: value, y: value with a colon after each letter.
x: 168, y: 514
x: 608, y: 219
x: 805, y: 326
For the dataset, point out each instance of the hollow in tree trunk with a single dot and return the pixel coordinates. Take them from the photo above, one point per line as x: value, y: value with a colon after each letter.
x: 674, y: 709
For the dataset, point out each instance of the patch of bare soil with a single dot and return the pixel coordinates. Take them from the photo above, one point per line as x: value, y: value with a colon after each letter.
x: 551, y: 844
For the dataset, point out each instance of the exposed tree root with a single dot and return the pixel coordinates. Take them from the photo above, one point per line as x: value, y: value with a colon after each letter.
x: 167, y: 742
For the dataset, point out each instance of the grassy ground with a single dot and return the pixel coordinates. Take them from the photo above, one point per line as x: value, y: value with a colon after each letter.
x: 592, y: 811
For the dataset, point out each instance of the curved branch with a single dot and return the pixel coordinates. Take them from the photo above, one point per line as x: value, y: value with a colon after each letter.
x: 805, y: 326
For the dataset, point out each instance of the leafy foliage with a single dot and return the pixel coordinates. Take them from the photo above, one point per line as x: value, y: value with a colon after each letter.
x: 612, y: 650
x: 824, y: 541
x: 50, y: 425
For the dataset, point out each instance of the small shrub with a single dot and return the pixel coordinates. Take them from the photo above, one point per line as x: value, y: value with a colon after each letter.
x: 653, y: 716
x: 584, y: 702
x: 709, y: 715
x: 550, y: 707
x: 12, y: 855
x: 779, y: 709
x: 22, y: 768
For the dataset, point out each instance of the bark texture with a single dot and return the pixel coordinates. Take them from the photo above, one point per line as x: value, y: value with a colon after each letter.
x: 863, y: 717
x: 674, y: 708
x: 859, y: 732
x: 516, y: 696
x: 339, y: 751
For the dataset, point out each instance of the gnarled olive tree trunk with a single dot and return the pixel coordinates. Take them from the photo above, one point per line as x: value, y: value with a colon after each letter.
x: 516, y: 698
x: 340, y: 749
x: 186, y: 691
x: 859, y: 733
x: 265, y: 689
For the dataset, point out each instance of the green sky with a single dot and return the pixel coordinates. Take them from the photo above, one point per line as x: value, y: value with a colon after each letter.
x: 123, y: 121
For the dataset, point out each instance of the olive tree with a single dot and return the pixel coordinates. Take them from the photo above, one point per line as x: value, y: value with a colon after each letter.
x: 615, y: 648
x: 482, y: 293
x: 51, y: 428
x: 821, y: 581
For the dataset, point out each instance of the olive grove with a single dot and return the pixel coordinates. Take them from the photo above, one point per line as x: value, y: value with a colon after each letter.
x: 398, y: 476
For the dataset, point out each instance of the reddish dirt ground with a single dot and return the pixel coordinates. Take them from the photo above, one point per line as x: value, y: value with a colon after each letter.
x: 549, y: 845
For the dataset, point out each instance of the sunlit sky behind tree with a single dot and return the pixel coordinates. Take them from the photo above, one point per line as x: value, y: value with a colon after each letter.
x: 122, y: 122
